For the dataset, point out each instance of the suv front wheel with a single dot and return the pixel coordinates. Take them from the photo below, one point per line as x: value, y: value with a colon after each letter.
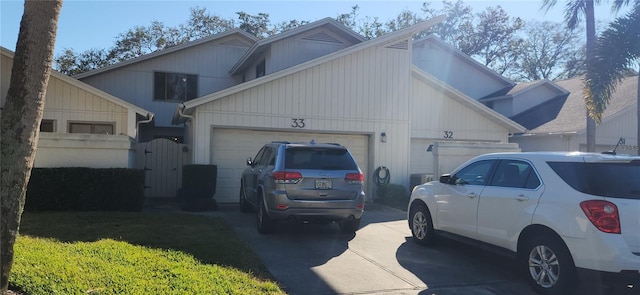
x: 549, y: 267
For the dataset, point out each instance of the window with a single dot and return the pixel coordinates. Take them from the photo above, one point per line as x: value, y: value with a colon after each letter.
x: 175, y: 87
x: 260, y: 69
x: 614, y: 180
x: 319, y: 158
x: 475, y: 174
x: 517, y: 174
x: 91, y: 128
x: 47, y: 125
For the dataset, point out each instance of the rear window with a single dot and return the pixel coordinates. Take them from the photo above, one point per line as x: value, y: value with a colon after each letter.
x: 614, y: 180
x: 319, y: 158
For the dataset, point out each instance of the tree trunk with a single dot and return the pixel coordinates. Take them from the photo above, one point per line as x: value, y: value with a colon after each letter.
x: 591, y: 45
x: 20, y: 120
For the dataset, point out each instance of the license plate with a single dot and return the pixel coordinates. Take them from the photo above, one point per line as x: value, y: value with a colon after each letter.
x: 324, y: 183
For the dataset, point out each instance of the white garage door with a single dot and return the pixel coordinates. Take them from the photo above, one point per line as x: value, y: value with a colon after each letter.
x: 231, y: 147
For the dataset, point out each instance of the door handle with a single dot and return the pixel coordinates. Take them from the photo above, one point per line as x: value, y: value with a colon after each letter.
x: 472, y: 195
x: 522, y: 198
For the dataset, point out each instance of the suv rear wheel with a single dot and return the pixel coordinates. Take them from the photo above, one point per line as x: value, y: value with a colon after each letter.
x: 548, y: 264
x: 350, y: 225
x: 265, y: 224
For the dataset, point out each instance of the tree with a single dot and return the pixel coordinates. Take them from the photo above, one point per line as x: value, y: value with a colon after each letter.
x: 573, y: 13
x: 21, y: 118
x: 550, y: 52
x: 617, y: 48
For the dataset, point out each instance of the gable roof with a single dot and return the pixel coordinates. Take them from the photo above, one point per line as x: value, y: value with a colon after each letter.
x: 434, y: 40
x: 572, y: 116
x: 169, y: 50
x: 86, y: 87
x: 263, y: 44
x: 467, y: 101
x: 188, y: 106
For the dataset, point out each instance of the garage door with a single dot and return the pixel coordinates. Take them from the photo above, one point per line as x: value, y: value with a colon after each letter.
x: 231, y: 147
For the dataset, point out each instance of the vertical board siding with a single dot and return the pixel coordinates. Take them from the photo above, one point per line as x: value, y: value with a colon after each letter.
x: 366, y: 92
x: 432, y: 113
x: 289, y: 52
x: 134, y: 83
x: 65, y: 102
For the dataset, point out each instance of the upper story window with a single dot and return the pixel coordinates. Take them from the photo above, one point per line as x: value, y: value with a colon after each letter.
x: 47, y: 125
x: 91, y: 127
x: 174, y: 86
x: 260, y: 69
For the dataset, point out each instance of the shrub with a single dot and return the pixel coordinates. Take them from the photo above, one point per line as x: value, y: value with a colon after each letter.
x: 393, y: 195
x: 85, y: 189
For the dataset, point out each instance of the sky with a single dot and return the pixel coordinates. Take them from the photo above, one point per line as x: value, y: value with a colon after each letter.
x: 87, y: 24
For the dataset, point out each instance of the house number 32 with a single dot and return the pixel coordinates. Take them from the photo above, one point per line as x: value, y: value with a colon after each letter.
x: 448, y: 134
x: 297, y: 123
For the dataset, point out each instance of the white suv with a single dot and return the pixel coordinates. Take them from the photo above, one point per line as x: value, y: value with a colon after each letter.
x: 559, y: 213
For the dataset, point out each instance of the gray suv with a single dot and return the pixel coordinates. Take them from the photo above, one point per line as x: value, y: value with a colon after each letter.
x: 306, y: 182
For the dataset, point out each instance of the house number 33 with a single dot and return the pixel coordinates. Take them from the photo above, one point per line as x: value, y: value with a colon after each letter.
x: 297, y: 123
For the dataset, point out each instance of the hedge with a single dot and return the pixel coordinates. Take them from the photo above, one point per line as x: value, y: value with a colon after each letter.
x: 85, y: 189
x: 393, y: 195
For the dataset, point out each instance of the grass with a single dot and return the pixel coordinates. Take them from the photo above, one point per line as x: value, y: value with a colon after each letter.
x: 134, y: 253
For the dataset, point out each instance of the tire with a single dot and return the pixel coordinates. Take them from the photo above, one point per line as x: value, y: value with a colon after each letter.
x: 548, y: 265
x: 244, y: 205
x: 421, y: 225
x: 350, y: 226
x: 265, y: 224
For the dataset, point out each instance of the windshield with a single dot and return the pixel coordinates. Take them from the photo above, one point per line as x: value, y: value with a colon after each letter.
x: 615, y: 180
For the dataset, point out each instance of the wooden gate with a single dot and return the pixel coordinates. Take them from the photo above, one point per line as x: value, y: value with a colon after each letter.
x: 162, y: 160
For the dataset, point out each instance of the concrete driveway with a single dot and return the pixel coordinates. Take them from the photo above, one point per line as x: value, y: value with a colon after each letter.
x: 379, y: 259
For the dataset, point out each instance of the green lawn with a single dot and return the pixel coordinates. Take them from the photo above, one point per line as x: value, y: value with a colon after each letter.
x: 134, y: 253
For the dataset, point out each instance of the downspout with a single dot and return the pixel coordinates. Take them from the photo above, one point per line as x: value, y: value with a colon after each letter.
x: 148, y: 120
x: 183, y: 115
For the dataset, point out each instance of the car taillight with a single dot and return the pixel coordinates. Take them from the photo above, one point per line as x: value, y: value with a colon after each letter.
x: 603, y: 215
x: 354, y: 178
x: 286, y: 177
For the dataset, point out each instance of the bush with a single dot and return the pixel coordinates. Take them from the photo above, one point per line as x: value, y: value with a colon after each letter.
x: 85, y: 189
x: 198, y: 188
x: 393, y: 195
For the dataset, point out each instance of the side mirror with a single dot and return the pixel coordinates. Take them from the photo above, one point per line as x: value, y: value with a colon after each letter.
x: 249, y: 162
x: 445, y: 178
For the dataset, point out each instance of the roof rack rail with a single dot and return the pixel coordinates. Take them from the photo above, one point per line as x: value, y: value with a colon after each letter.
x: 333, y: 143
x: 280, y: 141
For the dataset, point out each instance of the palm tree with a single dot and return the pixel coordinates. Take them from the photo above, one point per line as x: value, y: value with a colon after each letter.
x: 21, y: 116
x: 617, y: 48
x: 574, y: 11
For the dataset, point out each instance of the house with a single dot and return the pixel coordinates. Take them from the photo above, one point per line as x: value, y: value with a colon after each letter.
x: 558, y: 121
x: 81, y: 126
x: 368, y: 96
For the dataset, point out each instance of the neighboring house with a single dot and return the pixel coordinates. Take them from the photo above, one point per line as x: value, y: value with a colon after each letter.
x: 564, y: 124
x: 367, y: 96
x: 530, y: 104
x: 81, y: 126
